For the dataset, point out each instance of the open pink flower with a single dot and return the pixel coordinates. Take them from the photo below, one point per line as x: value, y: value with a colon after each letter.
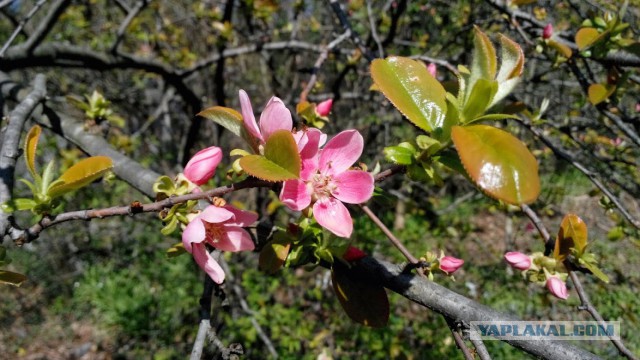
x: 518, y: 260
x: 274, y: 117
x: 557, y: 287
x: 449, y: 264
x: 326, y: 181
x: 220, y: 227
x: 203, y: 165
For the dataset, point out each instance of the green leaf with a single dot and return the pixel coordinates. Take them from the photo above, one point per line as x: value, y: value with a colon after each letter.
x: 493, y: 117
x: 498, y: 163
x: 595, y: 270
x: 280, y: 162
x: 412, y: 90
x: 401, y: 155
x: 164, y: 185
x: 479, y: 99
x: 230, y: 120
x: 598, y: 93
x: 274, y: 254
x: 563, y: 49
x: 364, y: 302
x: 11, y: 278
x: 484, y: 62
x: 30, y: 147
x: 176, y: 250
x: 81, y: 174
x: 572, y: 234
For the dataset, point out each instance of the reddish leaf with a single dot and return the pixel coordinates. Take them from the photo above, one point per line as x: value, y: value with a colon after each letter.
x: 572, y: 234
x: 364, y: 302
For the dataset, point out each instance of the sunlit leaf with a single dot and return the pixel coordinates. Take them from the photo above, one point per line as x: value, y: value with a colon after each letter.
x: 563, y: 49
x: 598, y: 93
x: 229, y: 119
x: 595, y: 271
x: 11, y: 278
x: 484, y: 63
x: 364, y: 302
x: 512, y: 60
x: 30, y: 146
x: 498, y: 163
x: 588, y: 36
x: 412, y: 90
x: 401, y: 154
x: 572, y: 234
x: 274, y: 254
x: 81, y: 174
x: 281, y: 160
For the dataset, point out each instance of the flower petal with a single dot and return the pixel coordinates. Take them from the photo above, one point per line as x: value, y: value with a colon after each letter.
x: 247, y: 115
x: 333, y: 216
x: 242, y: 217
x: 215, y: 215
x: 353, y: 186
x: 295, y: 195
x: 275, y: 116
x: 309, y: 168
x: 235, y: 239
x: 310, y: 143
x: 193, y: 233
x: 342, y: 151
x: 208, y: 263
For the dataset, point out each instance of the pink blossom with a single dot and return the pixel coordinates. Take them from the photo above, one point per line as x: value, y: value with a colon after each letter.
x: 203, y: 165
x: 324, y: 108
x: 326, y: 181
x: 518, y: 260
x: 431, y: 68
x: 557, y: 287
x: 220, y: 227
x: 547, y: 32
x: 274, y: 117
x: 449, y: 264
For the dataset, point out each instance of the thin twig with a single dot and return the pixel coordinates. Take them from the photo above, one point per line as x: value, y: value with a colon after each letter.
x: 481, y: 350
x: 586, y: 305
x: 394, y: 240
x: 198, y: 344
x: 127, y: 21
x: 346, y: 25
x: 453, y: 326
x: 548, y: 241
x: 374, y: 32
x: 22, y: 23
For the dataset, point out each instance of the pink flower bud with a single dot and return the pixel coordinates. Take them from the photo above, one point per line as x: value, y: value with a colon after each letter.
x: 431, y: 68
x: 324, y: 108
x: 449, y: 264
x: 203, y: 165
x: 353, y: 254
x: 518, y: 260
x: 557, y: 287
x: 547, y: 32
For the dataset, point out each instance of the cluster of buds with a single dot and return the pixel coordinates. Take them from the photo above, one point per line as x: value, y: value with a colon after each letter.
x: 446, y: 264
x: 542, y: 270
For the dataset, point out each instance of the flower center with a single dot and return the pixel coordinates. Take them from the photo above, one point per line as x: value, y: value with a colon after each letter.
x: 322, y: 186
x: 213, y: 232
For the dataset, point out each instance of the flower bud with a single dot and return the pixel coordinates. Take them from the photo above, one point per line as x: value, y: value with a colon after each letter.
x: 557, y: 287
x: 449, y: 264
x: 518, y: 260
x: 547, y: 32
x: 203, y: 165
x: 324, y: 108
x: 431, y: 68
x: 353, y: 254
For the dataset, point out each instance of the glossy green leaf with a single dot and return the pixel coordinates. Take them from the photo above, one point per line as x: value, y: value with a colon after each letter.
x: 479, y: 99
x: 81, y: 174
x: 30, y: 147
x: 274, y: 254
x: 572, y: 234
x: 412, y: 90
x: 11, y: 278
x: 598, y: 93
x: 231, y: 120
x: 512, y: 60
x: 364, y: 302
x: 498, y: 163
x: 280, y: 162
x: 493, y: 117
x: 401, y: 155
